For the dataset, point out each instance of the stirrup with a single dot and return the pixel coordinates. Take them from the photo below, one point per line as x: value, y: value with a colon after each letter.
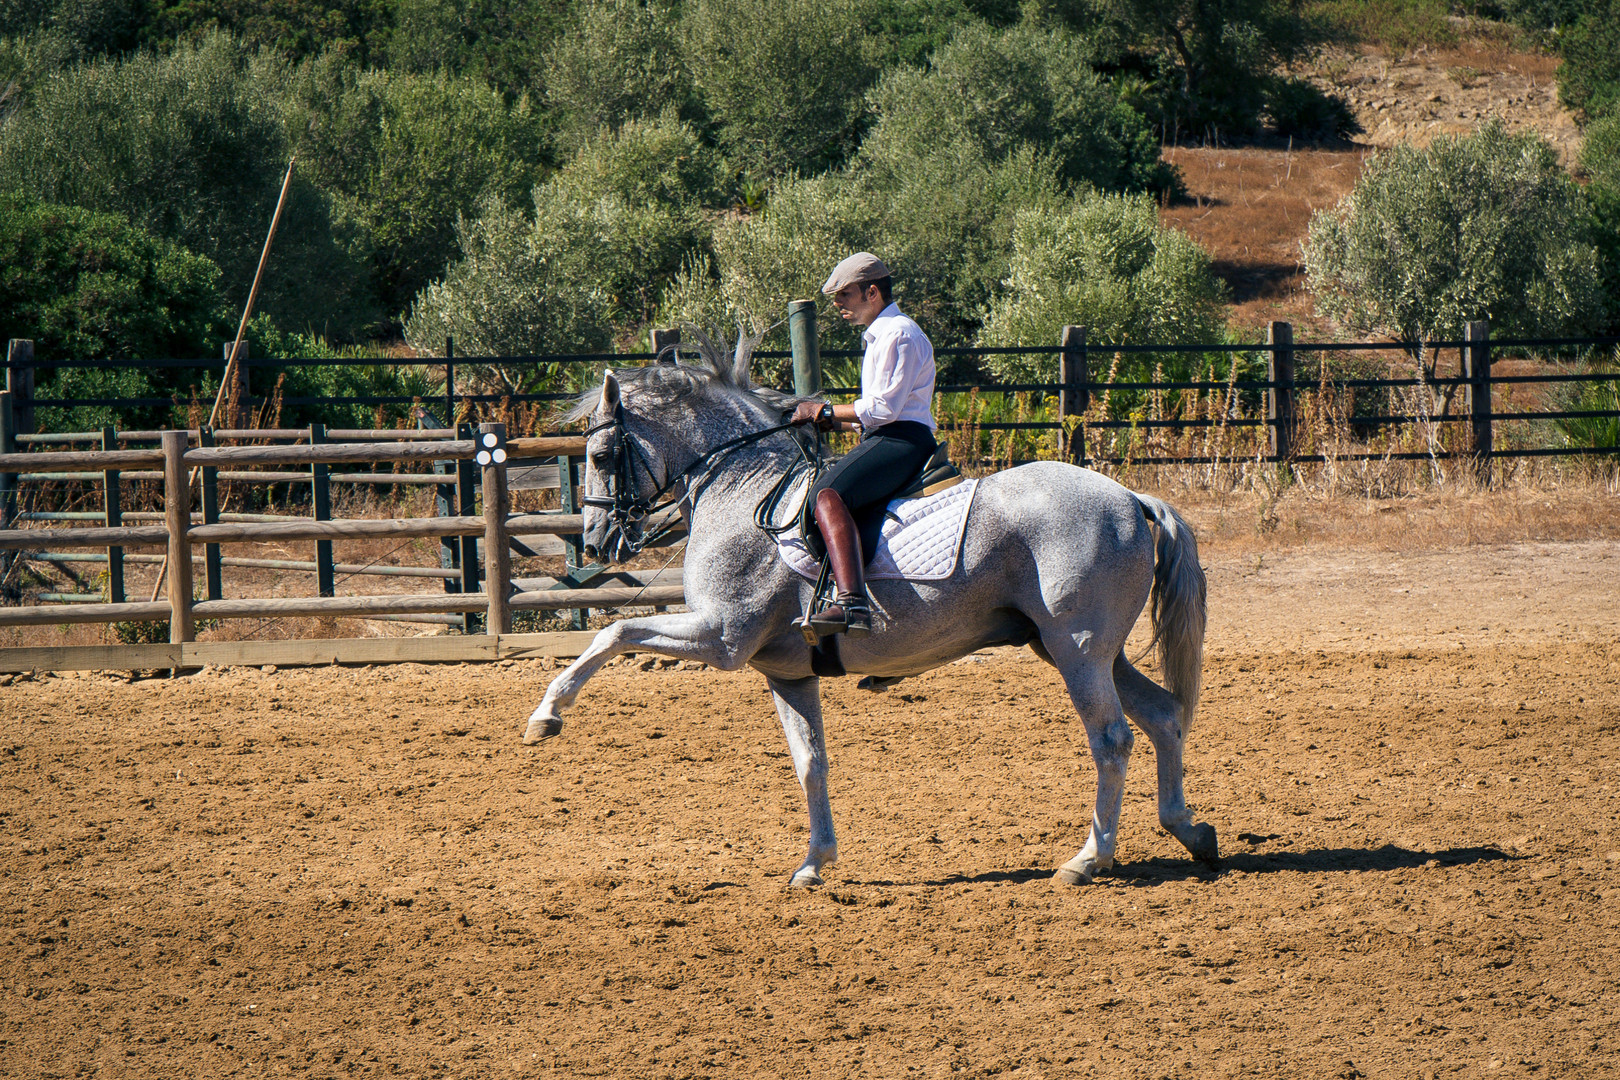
x: 851, y: 616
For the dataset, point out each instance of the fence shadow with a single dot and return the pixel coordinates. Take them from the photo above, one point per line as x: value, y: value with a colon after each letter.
x: 1316, y: 861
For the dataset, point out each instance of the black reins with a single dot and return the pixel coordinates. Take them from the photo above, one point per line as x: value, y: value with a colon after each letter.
x: 627, y: 507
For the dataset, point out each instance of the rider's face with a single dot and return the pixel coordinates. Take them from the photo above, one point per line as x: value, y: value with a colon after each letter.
x: 859, y: 304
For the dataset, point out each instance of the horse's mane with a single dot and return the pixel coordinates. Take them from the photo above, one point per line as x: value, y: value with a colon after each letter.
x: 723, y: 371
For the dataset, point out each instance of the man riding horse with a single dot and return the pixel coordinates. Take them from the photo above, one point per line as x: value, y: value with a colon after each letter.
x: 895, y: 416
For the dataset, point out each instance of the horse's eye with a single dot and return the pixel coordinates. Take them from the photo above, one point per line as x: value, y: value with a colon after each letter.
x: 601, y: 459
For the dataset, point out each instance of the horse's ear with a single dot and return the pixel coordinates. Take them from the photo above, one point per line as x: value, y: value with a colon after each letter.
x: 610, y: 393
x: 743, y: 357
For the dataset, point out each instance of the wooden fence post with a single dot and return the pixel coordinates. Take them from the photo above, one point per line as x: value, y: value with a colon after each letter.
x: 20, y: 381
x: 568, y: 502
x: 802, y: 332
x: 449, y: 381
x: 1477, y: 394
x: 1280, y: 398
x: 321, y: 478
x: 177, y: 512
x: 466, y: 503
x: 1075, y: 397
x: 113, y: 507
x: 667, y: 339
x: 212, y: 567
x: 497, y: 546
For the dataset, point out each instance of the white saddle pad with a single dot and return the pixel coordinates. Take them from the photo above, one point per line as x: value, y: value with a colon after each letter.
x: 922, y: 545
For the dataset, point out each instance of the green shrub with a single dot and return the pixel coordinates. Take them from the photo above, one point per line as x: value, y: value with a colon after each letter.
x: 404, y: 154
x: 1485, y: 226
x: 189, y: 146
x: 294, y: 30
x: 1103, y: 262
x: 621, y: 59
x: 1589, y: 77
x: 1209, y: 62
x: 1398, y: 25
x: 1001, y: 91
x: 609, y: 230
x: 1600, y: 159
x: 500, y: 42
x: 783, y: 79
x: 82, y: 27
x: 89, y: 286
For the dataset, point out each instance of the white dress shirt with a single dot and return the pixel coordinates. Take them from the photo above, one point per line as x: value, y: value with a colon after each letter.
x: 897, y: 373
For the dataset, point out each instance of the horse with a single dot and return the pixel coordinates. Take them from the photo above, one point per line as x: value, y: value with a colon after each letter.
x: 1054, y: 556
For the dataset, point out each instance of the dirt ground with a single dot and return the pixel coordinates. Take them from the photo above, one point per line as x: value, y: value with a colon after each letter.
x: 329, y: 872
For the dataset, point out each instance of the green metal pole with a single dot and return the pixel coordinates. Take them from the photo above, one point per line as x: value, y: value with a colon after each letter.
x: 326, y: 576
x: 114, y: 518
x: 806, y: 348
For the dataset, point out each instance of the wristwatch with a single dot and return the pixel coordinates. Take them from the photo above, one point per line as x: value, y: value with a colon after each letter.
x: 826, y: 418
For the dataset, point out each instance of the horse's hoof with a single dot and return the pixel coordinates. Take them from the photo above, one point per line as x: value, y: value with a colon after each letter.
x: 805, y: 878
x: 541, y: 730
x: 1204, y: 844
x: 1075, y: 872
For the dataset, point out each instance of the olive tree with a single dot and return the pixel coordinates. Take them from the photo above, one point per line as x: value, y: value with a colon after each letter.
x: 621, y: 59
x: 1483, y: 226
x: 783, y: 79
x: 607, y: 232
x: 1103, y: 262
x: 190, y: 146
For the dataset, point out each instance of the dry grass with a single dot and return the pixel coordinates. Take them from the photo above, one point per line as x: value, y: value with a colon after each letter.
x: 1250, y: 208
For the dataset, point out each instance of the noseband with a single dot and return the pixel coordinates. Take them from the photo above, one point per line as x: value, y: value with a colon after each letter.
x: 623, y: 503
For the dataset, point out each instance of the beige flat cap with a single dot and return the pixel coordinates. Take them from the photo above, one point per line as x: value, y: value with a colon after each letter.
x: 860, y: 267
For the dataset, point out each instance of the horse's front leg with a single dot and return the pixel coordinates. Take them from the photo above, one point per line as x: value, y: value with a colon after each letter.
x: 687, y: 635
x: 798, y: 703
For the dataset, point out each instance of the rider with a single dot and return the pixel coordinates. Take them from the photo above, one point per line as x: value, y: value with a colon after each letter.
x: 897, y: 430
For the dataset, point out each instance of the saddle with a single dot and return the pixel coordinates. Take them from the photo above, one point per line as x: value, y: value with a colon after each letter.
x: 935, y: 475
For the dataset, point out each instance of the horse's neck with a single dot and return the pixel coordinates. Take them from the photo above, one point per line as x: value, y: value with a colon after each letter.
x: 727, y: 495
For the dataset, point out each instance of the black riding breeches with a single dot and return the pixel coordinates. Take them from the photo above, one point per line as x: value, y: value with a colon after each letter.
x: 873, y: 473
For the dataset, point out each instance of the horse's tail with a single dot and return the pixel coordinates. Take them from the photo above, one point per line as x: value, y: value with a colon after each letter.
x: 1178, y: 604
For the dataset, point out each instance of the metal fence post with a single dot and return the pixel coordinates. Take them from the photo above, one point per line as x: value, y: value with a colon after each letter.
x: 1477, y: 393
x: 667, y: 339
x: 210, y: 514
x: 177, y: 513
x: 1075, y: 397
x: 449, y: 381
x: 321, y: 477
x: 568, y: 502
x: 466, y: 503
x: 8, y: 487
x: 20, y: 381
x: 803, y: 333
x: 1280, y: 398
x: 113, y: 517
x: 497, y: 547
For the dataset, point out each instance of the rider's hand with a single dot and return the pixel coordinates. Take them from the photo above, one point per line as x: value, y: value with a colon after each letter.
x: 807, y: 412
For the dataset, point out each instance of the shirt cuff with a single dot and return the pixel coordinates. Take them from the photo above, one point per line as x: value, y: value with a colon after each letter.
x: 871, y: 413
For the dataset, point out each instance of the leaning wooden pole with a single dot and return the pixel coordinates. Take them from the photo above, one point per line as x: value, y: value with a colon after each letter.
x: 232, y: 368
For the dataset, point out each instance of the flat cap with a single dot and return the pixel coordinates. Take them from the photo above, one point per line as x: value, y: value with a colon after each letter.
x: 860, y: 267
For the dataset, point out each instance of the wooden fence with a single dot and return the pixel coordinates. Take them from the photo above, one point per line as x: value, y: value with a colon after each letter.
x: 175, y: 460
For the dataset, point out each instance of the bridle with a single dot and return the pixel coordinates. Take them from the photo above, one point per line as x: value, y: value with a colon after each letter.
x: 625, y: 505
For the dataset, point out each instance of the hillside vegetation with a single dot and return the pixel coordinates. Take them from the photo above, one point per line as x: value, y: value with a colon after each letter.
x: 559, y: 175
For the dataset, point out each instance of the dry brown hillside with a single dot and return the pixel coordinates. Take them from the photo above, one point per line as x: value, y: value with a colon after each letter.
x: 1250, y: 206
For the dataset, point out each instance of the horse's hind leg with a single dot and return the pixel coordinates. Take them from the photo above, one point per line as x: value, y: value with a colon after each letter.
x: 798, y: 703
x: 1158, y: 714
x: 1091, y: 689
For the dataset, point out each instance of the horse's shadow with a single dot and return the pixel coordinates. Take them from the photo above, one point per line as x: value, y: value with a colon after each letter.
x: 1315, y: 861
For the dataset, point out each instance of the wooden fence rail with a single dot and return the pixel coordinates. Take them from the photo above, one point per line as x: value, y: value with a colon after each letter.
x: 183, y: 529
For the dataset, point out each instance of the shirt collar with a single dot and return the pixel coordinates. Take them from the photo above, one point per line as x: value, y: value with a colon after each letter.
x: 892, y: 311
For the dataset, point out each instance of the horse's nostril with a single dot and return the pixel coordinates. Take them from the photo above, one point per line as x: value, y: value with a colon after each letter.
x: 590, y: 551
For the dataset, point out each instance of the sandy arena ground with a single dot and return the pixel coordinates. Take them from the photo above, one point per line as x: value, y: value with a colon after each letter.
x: 1410, y: 759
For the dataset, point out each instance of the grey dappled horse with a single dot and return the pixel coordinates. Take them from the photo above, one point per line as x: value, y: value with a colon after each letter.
x: 1054, y: 556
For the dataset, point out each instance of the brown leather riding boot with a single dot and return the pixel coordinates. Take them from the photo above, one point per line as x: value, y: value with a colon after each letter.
x: 851, y: 616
